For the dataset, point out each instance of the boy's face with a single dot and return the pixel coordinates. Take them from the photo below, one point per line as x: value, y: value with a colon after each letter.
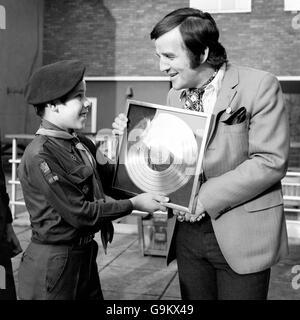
x: 73, y: 113
x: 175, y: 62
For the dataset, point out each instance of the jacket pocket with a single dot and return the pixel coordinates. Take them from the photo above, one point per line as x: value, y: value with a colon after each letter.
x: 266, y: 201
x: 234, y: 128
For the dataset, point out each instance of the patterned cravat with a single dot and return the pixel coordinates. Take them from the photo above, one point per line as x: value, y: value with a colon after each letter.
x: 193, y: 99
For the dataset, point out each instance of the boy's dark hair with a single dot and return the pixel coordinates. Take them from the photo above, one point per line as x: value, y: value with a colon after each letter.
x: 40, y: 108
x: 198, y: 30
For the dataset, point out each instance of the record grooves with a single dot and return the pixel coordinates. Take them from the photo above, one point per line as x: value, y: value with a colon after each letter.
x: 161, y: 158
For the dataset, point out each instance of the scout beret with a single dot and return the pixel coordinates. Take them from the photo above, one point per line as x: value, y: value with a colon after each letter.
x: 53, y: 81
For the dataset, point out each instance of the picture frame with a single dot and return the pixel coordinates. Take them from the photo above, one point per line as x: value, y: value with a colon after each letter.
x: 91, y: 122
x: 161, y: 151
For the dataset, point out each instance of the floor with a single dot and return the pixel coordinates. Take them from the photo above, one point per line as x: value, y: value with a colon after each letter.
x: 126, y: 274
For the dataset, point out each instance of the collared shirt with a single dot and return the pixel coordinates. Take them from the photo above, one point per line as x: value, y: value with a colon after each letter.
x: 58, y: 190
x: 211, y: 92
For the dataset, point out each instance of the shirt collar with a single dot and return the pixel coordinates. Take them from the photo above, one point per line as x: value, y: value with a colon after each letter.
x: 61, y: 142
x: 50, y: 125
x: 214, y: 84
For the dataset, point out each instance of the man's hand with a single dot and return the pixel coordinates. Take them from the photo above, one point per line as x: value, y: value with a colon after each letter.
x: 188, y: 216
x: 119, y: 124
x: 149, y: 202
x: 12, y: 238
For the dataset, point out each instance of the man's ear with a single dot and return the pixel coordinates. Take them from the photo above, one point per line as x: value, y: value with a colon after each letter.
x: 205, y: 55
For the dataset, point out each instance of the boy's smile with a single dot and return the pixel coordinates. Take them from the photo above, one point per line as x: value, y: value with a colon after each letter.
x: 73, y: 113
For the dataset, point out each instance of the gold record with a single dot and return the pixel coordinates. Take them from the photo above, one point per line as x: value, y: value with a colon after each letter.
x: 161, y: 154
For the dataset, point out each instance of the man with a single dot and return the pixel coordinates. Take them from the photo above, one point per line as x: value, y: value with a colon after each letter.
x: 226, y: 248
x: 63, y: 188
x: 9, y: 243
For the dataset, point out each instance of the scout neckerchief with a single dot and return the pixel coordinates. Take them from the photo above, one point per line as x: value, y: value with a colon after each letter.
x: 107, y: 230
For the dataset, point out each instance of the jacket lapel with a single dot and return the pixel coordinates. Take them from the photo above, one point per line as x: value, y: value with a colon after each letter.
x: 225, y: 97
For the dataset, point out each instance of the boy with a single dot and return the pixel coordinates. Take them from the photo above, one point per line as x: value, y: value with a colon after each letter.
x: 63, y: 188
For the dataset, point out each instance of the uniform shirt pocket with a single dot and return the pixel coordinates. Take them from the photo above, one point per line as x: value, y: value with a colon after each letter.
x: 80, y: 174
x: 82, y: 177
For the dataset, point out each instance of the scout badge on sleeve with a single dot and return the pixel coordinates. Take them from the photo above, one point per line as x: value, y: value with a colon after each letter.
x: 50, y: 177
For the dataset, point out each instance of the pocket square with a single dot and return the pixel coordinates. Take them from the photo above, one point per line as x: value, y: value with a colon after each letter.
x: 238, y: 116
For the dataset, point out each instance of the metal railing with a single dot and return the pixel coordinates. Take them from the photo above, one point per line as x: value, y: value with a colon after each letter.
x: 291, y: 191
x: 14, y: 164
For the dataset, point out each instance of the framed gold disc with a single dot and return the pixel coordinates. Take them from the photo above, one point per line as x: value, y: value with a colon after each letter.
x: 161, y: 152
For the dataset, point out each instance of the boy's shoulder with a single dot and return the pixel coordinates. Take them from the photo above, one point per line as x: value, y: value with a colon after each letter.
x: 35, y: 147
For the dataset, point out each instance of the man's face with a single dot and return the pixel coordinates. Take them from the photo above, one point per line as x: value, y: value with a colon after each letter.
x: 175, y: 62
x: 73, y: 113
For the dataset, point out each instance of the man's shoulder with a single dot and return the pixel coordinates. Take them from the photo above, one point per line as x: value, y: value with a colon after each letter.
x: 247, y: 73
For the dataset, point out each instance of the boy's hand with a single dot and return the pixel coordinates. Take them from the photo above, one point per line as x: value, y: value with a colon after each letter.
x: 149, y: 202
x: 119, y: 124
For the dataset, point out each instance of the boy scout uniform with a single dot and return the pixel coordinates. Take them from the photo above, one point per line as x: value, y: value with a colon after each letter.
x: 65, y: 199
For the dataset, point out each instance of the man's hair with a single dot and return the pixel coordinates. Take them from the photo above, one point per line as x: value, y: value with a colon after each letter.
x: 198, y: 30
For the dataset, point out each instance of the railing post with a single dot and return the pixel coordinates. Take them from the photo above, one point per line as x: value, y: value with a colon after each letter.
x: 13, y: 177
x: 14, y: 164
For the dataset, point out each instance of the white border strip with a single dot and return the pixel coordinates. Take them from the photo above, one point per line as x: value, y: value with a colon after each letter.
x: 157, y: 78
x: 127, y: 78
x: 288, y: 78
